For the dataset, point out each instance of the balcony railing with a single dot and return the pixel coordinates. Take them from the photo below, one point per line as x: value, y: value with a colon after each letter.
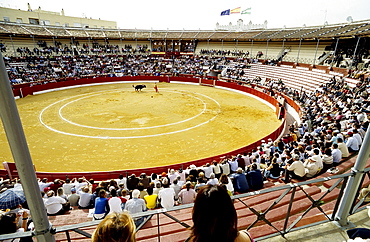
x: 293, y: 197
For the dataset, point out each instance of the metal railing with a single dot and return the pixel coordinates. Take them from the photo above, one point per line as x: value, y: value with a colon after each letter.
x: 296, y: 198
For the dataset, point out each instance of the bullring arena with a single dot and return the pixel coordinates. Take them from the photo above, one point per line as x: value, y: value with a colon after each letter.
x: 112, y: 127
x: 219, y: 95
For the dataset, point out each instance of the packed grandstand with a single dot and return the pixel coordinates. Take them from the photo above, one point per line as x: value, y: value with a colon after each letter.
x: 316, y: 77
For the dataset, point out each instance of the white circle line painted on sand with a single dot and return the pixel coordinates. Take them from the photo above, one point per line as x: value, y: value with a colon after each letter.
x: 138, y: 128
x: 130, y: 137
x: 124, y: 137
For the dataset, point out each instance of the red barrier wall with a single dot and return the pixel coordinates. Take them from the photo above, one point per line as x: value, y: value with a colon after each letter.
x: 103, y: 175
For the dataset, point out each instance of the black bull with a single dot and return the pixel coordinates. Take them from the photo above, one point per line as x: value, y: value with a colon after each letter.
x: 138, y: 87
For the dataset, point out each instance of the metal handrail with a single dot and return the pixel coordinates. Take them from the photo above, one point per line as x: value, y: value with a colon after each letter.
x: 287, y: 190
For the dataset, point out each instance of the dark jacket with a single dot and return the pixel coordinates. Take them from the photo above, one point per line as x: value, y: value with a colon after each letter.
x: 240, y: 182
x: 255, y: 179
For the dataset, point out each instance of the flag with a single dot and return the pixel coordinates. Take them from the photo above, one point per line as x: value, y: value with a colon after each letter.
x: 226, y: 12
x: 246, y: 11
x: 235, y: 10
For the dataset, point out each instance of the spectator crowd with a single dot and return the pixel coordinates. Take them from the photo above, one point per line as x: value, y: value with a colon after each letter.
x: 333, y: 126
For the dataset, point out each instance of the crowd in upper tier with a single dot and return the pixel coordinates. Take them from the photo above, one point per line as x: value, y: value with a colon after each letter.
x: 49, y: 69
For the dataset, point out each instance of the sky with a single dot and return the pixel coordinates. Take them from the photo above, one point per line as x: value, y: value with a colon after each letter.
x: 204, y: 14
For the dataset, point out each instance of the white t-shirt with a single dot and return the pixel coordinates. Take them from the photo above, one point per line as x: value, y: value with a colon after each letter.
x: 216, y: 169
x: 167, y: 196
x: 173, y: 177
x: 67, y: 188
x: 358, y: 137
x: 225, y: 168
x: 85, y: 199
x: 123, y: 181
x: 207, y: 171
x: 54, y: 204
x: 79, y: 185
x: 43, y: 185
x: 318, y: 160
x: 115, y: 205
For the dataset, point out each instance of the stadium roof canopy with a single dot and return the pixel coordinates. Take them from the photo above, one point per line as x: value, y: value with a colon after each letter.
x: 324, y: 32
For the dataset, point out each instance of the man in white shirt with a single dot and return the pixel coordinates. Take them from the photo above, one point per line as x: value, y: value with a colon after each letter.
x: 233, y: 165
x: 278, y: 157
x: 114, y: 202
x: 317, y: 158
x: 360, y: 116
x: 207, y: 170
x: 176, y: 187
x: 267, y: 150
x: 225, y: 167
x: 122, y: 180
x: 54, y: 204
x: 352, y: 143
x: 340, y: 135
x: 357, y: 136
x: 172, y: 175
x: 336, y: 153
x: 212, y: 180
x: 360, y: 130
x: 294, y: 170
x: 67, y: 186
x: 44, y: 184
x: 216, y: 167
x: 167, y: 196
x: 85, y: 198
x: 311, y: 167
x: 81, y: 182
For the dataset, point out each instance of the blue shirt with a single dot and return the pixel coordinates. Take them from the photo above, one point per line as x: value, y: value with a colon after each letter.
x: 100, y: 205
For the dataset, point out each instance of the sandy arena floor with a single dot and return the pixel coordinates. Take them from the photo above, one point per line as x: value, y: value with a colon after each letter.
x: 112, y: 127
